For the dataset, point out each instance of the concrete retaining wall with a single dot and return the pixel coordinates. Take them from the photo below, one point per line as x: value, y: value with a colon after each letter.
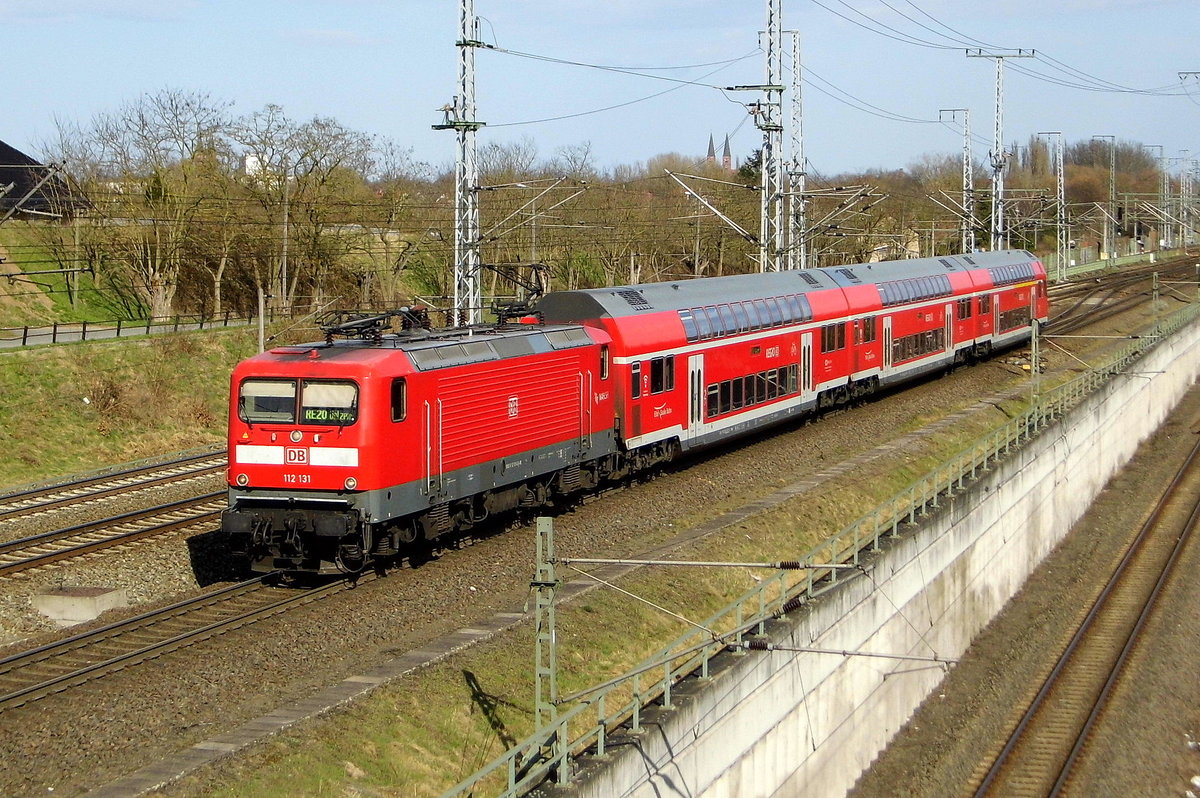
x: 788, y: 724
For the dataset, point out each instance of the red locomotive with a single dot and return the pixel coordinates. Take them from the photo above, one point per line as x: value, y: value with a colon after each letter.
x: 354, y: 450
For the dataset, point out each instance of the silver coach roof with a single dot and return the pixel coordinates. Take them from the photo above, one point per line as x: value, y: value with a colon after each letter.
x: 629, y: 300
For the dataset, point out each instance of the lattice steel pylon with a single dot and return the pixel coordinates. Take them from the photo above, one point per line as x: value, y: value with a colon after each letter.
x: 768, y: 119
x: 460, y: 117
x: 967, y: 216
x: 998, y: 155
x: 1062, y: 228
x: 797, y: 202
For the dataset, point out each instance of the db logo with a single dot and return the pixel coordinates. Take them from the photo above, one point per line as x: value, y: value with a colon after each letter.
x: 512, y: 407
x: 296, y: 455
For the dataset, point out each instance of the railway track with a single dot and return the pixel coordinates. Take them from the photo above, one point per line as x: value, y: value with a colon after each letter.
x: 1087, y: 302
x: 1050, y: 741
x: 48, y: 497
x: 61, y: 544
x: 76, y: 660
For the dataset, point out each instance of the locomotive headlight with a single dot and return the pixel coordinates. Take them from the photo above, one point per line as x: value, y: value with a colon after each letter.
x: 242, y: 480
x: 296, y: 436
x: 351, y: 483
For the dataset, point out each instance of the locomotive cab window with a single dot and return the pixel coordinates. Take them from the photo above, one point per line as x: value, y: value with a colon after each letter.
x: 399, y: 399
x: 328, y: 402
x: 267, y: 401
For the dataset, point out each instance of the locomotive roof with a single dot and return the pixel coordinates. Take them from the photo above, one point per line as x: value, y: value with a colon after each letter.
x: 683, y: 294
x: 441, y: 348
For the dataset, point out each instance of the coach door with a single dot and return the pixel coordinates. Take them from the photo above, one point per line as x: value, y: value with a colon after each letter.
x: 949, y: 328
x: 806, y: 363
x: 887, y: 342
x: 695, y: 426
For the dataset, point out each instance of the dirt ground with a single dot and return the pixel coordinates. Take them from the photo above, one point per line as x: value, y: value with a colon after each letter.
x: 1142, y: 748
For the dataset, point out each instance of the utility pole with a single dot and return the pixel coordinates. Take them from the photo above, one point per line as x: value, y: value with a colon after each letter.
x: 967, y: 228
x: 283, y: 258
x: 460, y: 117
x: 1062, y: 229
x: 999, y: 157
x: 1110, y: 223
x: 797, y: 249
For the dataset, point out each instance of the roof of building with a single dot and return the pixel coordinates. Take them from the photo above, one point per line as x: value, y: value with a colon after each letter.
x: 20, y: 175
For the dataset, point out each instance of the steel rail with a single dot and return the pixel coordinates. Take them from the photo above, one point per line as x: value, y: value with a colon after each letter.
x: 61, y: 536
x: 72, y: 646
x: 1002, y: 761
x: 26, y: 501
x: 1131, y: 642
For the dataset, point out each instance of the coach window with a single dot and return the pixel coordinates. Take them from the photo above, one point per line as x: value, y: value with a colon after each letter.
x: 773, y: 311
x: 728, y: 322
x: 743, y: 318
x: 712, y: 400
x: 702, y: 326
x: 714, y: 321
x: 635, y: 380
x: 662, y: 374
x: 689, y: 326
x: 833, y: 337
x: 985, y: 304
x: 964, y: 309
x: 868, y: 330
x: 399, y: 399
x: 726, y: 396
x: 604, y: 359
x: 267, y: 401
x: 328, y: 402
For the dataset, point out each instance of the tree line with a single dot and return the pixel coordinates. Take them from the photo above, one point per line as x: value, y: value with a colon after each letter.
x: 193, y: 209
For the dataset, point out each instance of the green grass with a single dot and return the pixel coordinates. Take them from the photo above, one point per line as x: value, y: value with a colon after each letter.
x: 66, y: 409
x: 41, y: 298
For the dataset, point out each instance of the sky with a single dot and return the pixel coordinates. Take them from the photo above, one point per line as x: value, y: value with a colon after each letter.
x: 871, y: 98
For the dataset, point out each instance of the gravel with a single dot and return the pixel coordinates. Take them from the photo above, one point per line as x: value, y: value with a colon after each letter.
x: 90, y: 735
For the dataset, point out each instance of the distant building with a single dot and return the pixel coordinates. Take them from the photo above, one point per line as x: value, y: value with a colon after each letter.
x: 726, y: 156
x: 34, y: 189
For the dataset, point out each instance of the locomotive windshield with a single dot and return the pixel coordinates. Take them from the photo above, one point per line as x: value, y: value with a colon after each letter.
x: 267, y: 401
x: 323, y: 402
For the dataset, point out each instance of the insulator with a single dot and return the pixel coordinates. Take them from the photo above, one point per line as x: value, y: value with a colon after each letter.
x: 791, y: 565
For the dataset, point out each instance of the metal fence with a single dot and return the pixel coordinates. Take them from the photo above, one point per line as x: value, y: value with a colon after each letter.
x: 64, y: 332
x: 547, y: 753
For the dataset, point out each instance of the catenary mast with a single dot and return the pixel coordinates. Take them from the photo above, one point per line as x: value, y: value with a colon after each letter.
x: 460, y: 117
